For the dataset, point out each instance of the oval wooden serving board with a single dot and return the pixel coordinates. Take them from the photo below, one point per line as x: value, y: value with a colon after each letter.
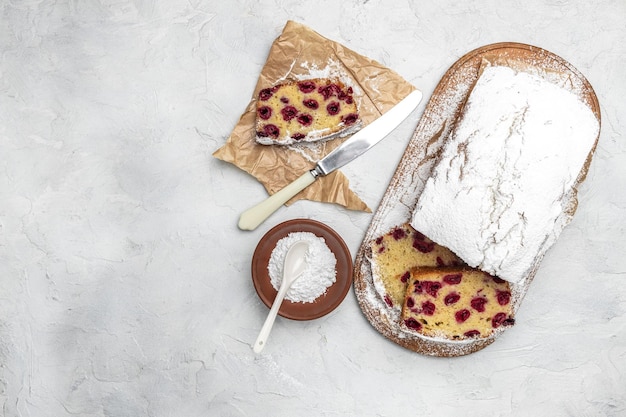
x: 417, y: 162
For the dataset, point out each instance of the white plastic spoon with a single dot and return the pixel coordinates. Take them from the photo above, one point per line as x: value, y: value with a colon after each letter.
x: 294, y: 266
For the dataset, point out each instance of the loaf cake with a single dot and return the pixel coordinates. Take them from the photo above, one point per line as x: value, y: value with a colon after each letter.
x: 456, y: 303
x: 502, y: 190
x: 396, y: 252
x: 305, y: 111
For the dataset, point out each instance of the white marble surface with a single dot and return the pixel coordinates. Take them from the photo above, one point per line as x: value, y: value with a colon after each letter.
x: 125, y: 284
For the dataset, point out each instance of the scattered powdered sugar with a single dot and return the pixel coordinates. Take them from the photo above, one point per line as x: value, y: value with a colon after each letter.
x: 311, y: 151
x: 319, y: 274
x: 333, y: 70
x: 499, y: 196
x: 422, y: 153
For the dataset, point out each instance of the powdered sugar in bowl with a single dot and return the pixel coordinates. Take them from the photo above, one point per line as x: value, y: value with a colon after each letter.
x: 329, y: 278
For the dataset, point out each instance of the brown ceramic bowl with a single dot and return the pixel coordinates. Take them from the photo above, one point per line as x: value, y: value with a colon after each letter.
x: 325, y: 303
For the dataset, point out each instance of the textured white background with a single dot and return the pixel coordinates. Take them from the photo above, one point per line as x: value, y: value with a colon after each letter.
x: 125, y: 284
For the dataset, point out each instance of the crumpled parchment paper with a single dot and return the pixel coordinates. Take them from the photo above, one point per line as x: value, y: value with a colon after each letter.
x: 301, y: 53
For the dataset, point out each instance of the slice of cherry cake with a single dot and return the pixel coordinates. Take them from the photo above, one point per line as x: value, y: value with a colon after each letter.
x: 395, y: 253
x: 456, y: 303
x: 305, y: 111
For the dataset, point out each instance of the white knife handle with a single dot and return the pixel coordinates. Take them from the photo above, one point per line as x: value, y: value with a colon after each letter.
x: 254, y: 216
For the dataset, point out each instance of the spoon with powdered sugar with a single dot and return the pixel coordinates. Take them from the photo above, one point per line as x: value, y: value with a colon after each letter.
x: 295, y: 264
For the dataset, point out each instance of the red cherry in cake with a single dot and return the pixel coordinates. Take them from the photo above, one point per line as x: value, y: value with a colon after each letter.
x: 453, y: 279
x: 504, y: 297
x: 327, y: 91
x: 333, y: 108
x: 305, y: 119
x: 350, y: 119
x: 284, y: 100
x: 423, y: 246
x: 451, y: 298
x: 398, y: 233
x: 388, y: 301
x: 265, y: 94
x: 289, y: 112
x: 428, y: 308
x: 498, y: 280
x: 497, y: 320
x: 298, y: 136
x: 271, y: 130
x: 431, y: 287
x: 306, y: 86
x: 413, y: 324
x: 310, y: 103
x: 478, y: 304
x: 462, y: 315
x: 471, y: 333
x: 405, y: 277
x: 346, y: 96
x: 265, y: 112
x: 500, y: 319
x: 410, y: 303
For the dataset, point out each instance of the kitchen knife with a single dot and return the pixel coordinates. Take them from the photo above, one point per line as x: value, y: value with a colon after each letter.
x: 359, y: 143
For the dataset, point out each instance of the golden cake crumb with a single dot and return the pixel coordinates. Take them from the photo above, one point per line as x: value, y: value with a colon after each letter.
x: 456, y: 303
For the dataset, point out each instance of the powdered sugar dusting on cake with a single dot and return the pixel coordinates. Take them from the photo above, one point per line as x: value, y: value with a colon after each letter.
x: 498, y: 196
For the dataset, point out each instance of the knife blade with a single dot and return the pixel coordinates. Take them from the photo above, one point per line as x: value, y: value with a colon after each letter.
x: 352, y: 148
